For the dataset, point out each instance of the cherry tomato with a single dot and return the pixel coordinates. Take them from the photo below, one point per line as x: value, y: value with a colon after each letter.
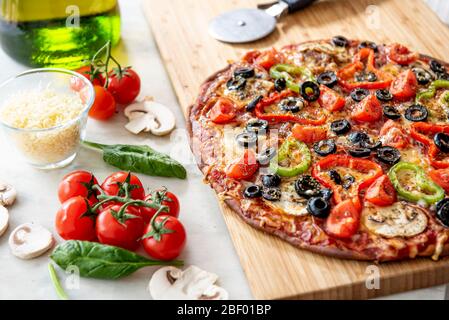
x: 164, y: 198
x: 125, y: 87
x: 222, y: 112
x: 78, y: 183
x: 309, y: 134
x: 367, y: 110
x: 330, y: 99
x: 104, y: 105
x: 165, y: 245
x: 404, y: 86
x: 113, y: 185
x: 392, y: 134
x: 98, y: 80
x: 441, y: 177
x: 124, y: 232
x: 73, y: 221
x: 243, y: 168
x: 381, y: 192
x: 344, y: 219
x: 401, y: 54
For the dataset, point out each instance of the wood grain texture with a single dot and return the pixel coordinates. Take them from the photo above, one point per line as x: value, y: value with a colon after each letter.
x: 275, y: 269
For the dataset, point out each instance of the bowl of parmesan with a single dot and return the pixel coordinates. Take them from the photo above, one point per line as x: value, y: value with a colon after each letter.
x: 43, y: 114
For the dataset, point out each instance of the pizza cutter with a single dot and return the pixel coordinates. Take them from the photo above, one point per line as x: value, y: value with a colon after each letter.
x: 246, y: 25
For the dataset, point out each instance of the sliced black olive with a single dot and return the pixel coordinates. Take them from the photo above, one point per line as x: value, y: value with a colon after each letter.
x: 246, y: 139
x: 441, y: 203
x: 441, y: 140
x: 388, y: 155
x: 306, y: 186
x: 391, y: 112
x: 370, y: 144
x: 436, y: 66
x: 348, y: 180
x: 339, y: 41
x: 310, y: 91
x: 291, y: 104
x: 359, y: 152
x: 326, y: 193
x: 257, y: 126
x: 328, y: 78
x: 280, y: 84
x: 271, y: 180
x: 253, y: 191
x: 368, y: 44
x: 252, y: 105
x: 443, y: 212
x: 325, y: 147
x: 335, y: 176
x: 357, y: 137
x: 423, y: 76
x: 266, y: 155
x: 366, y: 76
x: 443, y: 76
x: 416, y: 113
x: 384, y: 95
x: 237, y: 83
x: 271, y: 194
x: 340, y: 126
x: 244, y: 73
x: 318, y: 207
x: 359, y: 94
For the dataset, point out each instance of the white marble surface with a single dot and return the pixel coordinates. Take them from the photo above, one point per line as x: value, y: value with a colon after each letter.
x: 209, y: 245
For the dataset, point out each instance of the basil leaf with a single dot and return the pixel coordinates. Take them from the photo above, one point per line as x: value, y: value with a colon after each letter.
x: 95, y: 260
x: 140, y: 159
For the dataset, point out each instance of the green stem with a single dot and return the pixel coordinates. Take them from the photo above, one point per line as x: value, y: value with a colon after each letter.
x: 93, y: 145
x: 56, y: 283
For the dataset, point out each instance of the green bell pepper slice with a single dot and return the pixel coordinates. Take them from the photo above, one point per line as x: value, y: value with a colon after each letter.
x: 423, y: 189
x: 432, y: 90
x: 298, y: 155
x: 287, y: 71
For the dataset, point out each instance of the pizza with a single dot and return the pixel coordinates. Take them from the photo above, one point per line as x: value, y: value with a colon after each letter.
x: 337, y: 146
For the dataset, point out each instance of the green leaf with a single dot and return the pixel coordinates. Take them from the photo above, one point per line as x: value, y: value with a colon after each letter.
x: 95, y: 260
x: 140, y: 159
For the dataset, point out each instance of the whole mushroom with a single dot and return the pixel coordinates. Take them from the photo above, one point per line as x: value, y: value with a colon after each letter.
x: 170, y: 283
x: 30, y: 240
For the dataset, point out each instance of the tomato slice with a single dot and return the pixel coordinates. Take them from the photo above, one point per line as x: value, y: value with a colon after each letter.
x: 222, y: 112
x: 244, y: 168
x: 330, y: 99
x: 401, y: 54
x: 309, y: 134
x: 367, y: 110
x: 392, y: 134
x: 344, y: 219
x: 381, y: 192
x: 441, y: 177
x: 404, y: 86
x: 268, y: 58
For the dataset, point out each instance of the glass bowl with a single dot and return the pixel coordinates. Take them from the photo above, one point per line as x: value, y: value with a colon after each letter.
x: 56, y: 146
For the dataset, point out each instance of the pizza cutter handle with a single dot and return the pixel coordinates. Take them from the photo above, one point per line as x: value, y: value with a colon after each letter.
x: 295, y: 5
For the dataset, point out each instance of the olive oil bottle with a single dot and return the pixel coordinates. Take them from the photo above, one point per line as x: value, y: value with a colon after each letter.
x: 57, y: 33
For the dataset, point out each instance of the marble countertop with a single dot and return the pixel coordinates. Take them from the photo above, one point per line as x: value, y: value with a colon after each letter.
x: 209, y: 245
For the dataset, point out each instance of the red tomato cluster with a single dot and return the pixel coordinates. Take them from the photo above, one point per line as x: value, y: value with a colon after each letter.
x: 119, y: 213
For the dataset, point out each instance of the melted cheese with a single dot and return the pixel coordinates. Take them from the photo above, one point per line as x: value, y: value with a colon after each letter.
x: 290, y: 203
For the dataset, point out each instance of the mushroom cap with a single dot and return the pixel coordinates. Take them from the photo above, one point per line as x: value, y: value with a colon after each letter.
x: 4, y: 220
x: 8, y: 194
x: 30, y: 240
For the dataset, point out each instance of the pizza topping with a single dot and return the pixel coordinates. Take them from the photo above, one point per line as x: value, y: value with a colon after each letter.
x: 271, y: 194
x: 384, y: 95
x: 368, y: 110
x: 266, y: 155
x: 288, y: 72
x: 436, y: 67
x: 416, y: 113
x: 440, y: 177
x: 368, y: 44
x: 257, y: 126
x: 441, y: 140
x: 271, y: 180
x: 222, y: 112
x: 404, y: 86
x: 325, y: 147
x: 401, y: 54
x: 244, y: 73
x: 293, y: 158
x: 330, y: 99
x: 280, y: 84
x: 310, y: 91
x: 359, y: 94
x: 357, y: 137
x: 443, y: 211
x: 432, y: 90
x: 422, y: 76
x: 253, y: 191
x: 388, y: 155
x: 292, y: 104
x: 340, y: 127
x: 368, y: 143
x: 398, y: 220
x: 360, y: 152
x: 328, y: 79
x: 340, y: 41
x: 246, y: 139
x: 412, y: 184
x: 308, y: 134
x: 237, y: 83
x: 318, y: 207
x: 393, y: 134
x: 306, y: 186
x: 243, y: 168
x: 253, y: 103
x: 391, y: 112
x: 344, y: 219
x: 381, y: 192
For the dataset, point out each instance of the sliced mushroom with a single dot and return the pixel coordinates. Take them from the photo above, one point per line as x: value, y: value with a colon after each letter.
x: 4, y: 220
x: 170, y: 283
x: 30, y: 240
x: 8, y: 194
x: 150, y: 116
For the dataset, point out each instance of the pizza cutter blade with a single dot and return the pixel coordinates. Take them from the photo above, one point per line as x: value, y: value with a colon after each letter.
x: 247, y: 25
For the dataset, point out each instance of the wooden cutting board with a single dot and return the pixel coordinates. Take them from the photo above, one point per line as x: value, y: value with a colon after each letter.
x: 275, y: 269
